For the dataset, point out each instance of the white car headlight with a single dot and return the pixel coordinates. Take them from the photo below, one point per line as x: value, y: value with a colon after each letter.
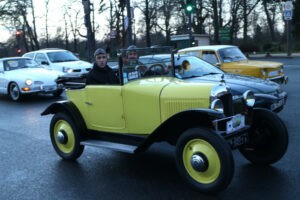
x: 249, y: 98
x: 67, y: 70
x: 28, y: 82
x: 217, y: 105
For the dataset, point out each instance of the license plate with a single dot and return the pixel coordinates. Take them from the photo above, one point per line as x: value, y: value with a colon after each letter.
x: 277, y: 105
x: 237, y: 122
x: 238, y: 140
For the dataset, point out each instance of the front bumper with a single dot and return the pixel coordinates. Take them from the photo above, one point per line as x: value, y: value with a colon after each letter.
x: 272, y: 102
x: 43, y: 89
x: 234, y: 129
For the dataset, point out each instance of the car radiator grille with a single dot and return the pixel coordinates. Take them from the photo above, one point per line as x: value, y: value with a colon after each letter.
x: 239, y: 106
x: 227, y: 103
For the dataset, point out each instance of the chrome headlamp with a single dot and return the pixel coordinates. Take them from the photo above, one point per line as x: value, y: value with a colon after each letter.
x: 217, y: 105
x: 219, y: 90
x: 249, y: 98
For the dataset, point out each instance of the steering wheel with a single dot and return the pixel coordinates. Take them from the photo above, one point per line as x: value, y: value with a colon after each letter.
x: 155, y: 70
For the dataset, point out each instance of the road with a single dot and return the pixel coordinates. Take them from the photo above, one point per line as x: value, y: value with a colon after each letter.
x: 30, y: 169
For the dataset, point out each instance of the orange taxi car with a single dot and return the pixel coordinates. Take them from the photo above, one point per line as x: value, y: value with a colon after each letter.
x: 230, y: 59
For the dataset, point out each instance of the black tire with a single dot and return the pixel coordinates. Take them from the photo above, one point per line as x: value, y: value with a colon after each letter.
x: 268, y: 138
x: 14, y: 92
x: 217, y: 172
x: 69, y: 148
x: 57, y: 93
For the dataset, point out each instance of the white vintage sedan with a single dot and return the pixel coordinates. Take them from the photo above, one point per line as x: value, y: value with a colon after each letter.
x: 22, y: 76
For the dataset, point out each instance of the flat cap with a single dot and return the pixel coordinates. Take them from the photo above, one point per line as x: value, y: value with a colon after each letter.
x: 99, y: 51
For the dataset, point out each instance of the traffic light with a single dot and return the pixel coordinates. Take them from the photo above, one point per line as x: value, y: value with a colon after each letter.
x: 189, y: 8
x: 18, y: 33
x: 19, y: 51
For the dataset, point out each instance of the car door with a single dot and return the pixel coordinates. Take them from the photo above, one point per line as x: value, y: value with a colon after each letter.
x: 105, y: 108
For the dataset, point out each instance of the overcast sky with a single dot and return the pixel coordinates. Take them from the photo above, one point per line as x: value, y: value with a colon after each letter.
x: 55, y: 12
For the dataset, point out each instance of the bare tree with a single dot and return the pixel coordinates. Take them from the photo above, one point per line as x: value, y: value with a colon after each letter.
x: 270, y: 8
x: 73, y: 16
x: 235, y: 17
x: 166, y: 10
x: 149, y: 12
x: 90, y: 35
x: 46, y: 22
x: 247, y: 8
x: 200, y: 16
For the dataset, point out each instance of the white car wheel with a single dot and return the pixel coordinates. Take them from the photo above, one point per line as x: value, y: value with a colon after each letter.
x: 14, y: 92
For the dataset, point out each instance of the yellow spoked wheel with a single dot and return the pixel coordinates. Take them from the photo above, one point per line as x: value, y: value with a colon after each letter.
x: 204, y: 160
x: 65, y: 137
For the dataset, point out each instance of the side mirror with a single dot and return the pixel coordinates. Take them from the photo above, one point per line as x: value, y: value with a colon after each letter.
x: 44, y: 63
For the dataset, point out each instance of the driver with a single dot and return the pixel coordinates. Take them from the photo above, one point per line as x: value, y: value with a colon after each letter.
x: 101, y: 73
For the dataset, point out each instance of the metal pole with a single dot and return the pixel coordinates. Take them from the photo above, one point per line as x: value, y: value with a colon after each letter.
x: 190, y: 28
x: 289, y: 38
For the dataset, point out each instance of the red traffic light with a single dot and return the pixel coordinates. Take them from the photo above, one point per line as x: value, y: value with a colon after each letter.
x: 19, y: 51
x: 18, y: 33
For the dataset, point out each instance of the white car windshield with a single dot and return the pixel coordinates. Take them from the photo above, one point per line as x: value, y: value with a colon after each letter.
x: 231, y: 54
x: 61, y: 56
x: 14, y: 64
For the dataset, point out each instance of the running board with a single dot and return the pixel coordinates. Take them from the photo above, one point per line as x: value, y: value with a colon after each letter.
x: 110, y: 145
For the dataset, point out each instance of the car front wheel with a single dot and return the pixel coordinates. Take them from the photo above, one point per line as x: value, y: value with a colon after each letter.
x: 204, y: 160
x: 14, y: 92
x: 268, y: 138
x: 65, y: 137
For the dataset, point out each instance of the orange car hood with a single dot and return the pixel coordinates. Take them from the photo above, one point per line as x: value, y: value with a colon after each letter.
x: 255, y: 63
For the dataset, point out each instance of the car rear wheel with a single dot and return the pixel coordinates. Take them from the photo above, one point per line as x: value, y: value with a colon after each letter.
x: 268, y: 138
x: 204, y: 160
x: 14, y: 92
x: 65, y: 137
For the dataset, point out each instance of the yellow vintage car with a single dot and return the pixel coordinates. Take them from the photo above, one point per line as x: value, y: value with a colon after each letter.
x: 230, y: 59
x: 202, y: 121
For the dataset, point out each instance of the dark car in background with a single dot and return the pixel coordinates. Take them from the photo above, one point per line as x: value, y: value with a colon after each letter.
x: 268, y: 94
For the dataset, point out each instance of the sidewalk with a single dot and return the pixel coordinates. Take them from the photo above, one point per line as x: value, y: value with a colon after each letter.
x: 274, y: 55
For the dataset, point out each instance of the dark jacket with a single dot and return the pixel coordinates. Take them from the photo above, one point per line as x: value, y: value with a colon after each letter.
x: 101, y: 76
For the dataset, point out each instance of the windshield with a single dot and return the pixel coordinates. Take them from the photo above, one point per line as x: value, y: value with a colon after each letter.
x: 14, y: 64
x: 190, y: 66
x: 231, y: 54
x: 61, y: 56
x: 185, y: 66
